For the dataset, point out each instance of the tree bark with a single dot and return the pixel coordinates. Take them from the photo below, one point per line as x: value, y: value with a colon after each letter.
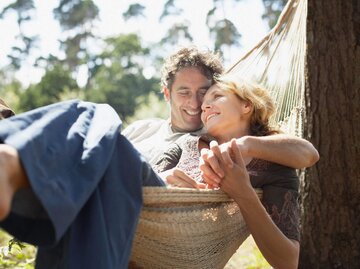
x: 331, y: 190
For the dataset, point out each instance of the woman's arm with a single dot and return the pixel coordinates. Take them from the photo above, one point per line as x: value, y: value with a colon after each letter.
x: 279, y: 251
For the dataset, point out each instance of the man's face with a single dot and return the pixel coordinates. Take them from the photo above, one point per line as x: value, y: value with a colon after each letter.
x: 186, y: 97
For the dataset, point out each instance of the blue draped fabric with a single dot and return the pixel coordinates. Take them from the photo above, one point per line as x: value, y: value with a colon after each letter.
x: 87, y: 179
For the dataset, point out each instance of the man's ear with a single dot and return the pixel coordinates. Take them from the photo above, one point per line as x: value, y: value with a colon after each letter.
x: 166, y: 92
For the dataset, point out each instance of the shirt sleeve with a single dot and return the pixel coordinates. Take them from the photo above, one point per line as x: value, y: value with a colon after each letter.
x: 169, y: 159
x: 280, y: 195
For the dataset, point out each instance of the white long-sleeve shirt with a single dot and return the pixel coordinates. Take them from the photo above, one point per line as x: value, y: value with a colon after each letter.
x: 152, y: 137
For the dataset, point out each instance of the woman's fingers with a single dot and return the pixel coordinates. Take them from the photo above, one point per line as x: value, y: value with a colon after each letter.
x: 222, y: 155
x: 235, y: 151
x: 213, y: 159
x: 207, y: 171
x: 209, y: 181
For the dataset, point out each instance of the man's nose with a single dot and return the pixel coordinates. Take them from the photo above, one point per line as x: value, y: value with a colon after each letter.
x: 195, y: 101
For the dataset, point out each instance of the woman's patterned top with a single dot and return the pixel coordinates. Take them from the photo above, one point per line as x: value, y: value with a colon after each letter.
x: 279, y: 183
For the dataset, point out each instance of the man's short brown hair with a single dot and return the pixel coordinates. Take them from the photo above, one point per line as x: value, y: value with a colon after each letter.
x: 206, y: 61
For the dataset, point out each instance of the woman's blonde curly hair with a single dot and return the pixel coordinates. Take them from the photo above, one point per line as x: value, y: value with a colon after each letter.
x: 262, y: 104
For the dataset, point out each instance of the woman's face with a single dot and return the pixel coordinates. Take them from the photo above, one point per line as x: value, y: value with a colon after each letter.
x: 224, y: 115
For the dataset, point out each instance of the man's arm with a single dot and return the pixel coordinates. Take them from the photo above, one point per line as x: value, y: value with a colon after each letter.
x: 283, y: 149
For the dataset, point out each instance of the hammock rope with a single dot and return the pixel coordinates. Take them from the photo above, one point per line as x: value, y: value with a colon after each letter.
x: 190, y: 228
x: 277, y: 62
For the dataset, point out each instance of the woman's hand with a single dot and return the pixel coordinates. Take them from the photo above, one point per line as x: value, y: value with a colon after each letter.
x: 178, y: 178
x: 213, y: 161
x: 278, y: 250
x: 236, y: 182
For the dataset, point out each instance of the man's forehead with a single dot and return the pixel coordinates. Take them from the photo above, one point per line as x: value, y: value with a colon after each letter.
x: 188, y: 77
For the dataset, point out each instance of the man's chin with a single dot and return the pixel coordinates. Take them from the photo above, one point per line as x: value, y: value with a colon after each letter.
x: 188, y: 128
x: 194, y: 128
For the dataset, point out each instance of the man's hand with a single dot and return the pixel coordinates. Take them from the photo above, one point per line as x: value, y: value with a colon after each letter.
x: 178, y: 178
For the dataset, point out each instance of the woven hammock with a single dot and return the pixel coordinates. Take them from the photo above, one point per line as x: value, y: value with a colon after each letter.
x: 191, y: 228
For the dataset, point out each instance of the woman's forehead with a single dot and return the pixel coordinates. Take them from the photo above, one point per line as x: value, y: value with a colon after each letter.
x: 213, y: 88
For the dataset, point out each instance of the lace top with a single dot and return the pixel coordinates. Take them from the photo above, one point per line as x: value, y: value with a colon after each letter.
x: 279, y: 183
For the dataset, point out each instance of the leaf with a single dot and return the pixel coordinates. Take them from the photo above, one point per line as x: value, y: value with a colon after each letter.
x: 134, y: 11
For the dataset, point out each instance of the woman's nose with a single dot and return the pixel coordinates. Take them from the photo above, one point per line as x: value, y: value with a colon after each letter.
x: 205, y: 105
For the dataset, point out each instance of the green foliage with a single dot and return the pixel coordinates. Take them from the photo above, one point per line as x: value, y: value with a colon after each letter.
x: 273, y: 9
x: 10, y: 90
x: 222, y: 31
x: 49, y: 90
x: 153, y: 106
x: 117, y: 76
x: 134, y: 11
x: 114, y: 75
x: 75, y: 13
x: 170, y: 10
x: 21, y: 7
x: 15, y: 254
x: 76, y: 18
x: 225, y: 33
x: 19, y: 52
x: 120, y: 88
x: 176, y: 34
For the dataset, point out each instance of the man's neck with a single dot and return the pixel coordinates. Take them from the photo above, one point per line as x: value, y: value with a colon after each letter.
x: 179, y: 130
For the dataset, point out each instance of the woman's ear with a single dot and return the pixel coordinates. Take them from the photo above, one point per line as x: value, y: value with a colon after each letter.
x: 166, y: 92
x: 247, y: 107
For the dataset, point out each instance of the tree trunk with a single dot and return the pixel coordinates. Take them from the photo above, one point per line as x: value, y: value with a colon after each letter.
x: 331, y: 190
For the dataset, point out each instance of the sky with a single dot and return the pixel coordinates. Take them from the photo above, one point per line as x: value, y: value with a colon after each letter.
x: 246, y: 15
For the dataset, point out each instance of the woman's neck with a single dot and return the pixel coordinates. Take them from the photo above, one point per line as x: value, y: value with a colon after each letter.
x: 227, y: 136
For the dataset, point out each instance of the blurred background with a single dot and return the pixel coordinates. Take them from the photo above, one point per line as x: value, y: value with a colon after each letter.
x: 112, y: 51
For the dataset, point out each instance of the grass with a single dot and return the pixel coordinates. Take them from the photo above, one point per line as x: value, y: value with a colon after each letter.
x: 21, y: 255
x: 14, y: 254
x: 248, y: 256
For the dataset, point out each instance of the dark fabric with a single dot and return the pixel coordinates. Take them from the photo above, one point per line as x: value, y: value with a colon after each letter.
x: 87, y: 177
x: 279, y: 183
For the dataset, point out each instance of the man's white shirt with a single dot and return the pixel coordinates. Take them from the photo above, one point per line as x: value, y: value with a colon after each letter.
x: 152, y: 137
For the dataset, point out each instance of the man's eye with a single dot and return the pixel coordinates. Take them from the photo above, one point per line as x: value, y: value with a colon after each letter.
x: 216, y: 96
x: 202, y: 92
x: 183, y: 93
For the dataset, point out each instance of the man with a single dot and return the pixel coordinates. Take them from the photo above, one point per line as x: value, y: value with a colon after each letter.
x: 186, y: 76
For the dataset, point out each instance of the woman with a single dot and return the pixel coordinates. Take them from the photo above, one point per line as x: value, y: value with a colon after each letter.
x: 235, y: 108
